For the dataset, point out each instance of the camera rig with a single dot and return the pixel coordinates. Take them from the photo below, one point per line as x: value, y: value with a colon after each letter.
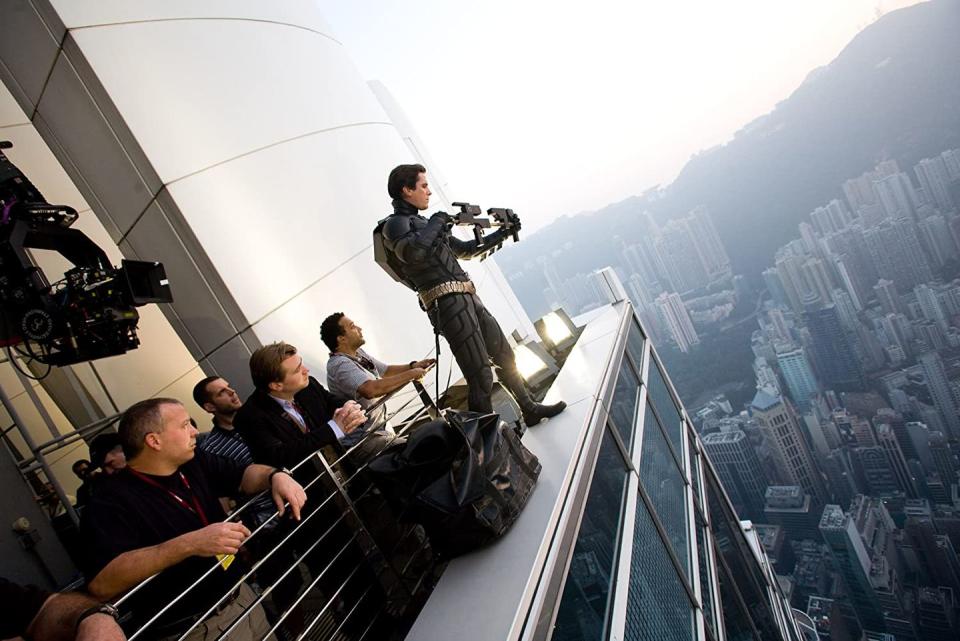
x: 91, y: 312
x: 468, y: 215
x: 496, y: 217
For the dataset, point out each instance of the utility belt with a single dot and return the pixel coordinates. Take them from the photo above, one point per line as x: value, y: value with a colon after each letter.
x: 450, y: 287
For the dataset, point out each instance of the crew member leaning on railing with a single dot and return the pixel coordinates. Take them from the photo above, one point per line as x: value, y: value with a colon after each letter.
x: 290, y: 415
x: 215, y: 395
x: 355, y: 374
x: 163, y: 514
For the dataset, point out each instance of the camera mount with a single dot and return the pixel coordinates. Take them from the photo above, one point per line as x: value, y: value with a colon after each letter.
x: 505, y: 219
x: 89, y: 313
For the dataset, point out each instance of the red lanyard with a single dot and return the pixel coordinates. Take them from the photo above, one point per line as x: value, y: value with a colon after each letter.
x: 196, y: 508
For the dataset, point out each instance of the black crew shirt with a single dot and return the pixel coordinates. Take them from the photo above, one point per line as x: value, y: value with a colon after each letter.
x: 22, y: 603
x: 128, y: 513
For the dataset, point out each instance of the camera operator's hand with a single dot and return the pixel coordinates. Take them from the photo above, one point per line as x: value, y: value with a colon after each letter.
x: 416, y: 373
x: 425, y: 363
x: 349, y: 417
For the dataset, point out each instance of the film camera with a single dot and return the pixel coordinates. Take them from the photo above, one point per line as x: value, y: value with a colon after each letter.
x: 91, y: 312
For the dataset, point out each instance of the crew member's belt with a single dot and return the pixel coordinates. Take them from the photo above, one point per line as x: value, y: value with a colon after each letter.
x: 450, y: 287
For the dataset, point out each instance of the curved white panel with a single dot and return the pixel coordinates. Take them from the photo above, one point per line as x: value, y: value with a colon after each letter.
x: 86, y: 13
x: 32, y: 156
x: 276, y: 221
x: 195, y: 93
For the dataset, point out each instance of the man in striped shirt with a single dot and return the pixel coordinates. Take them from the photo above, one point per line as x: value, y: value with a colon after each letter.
x: 215, y: 396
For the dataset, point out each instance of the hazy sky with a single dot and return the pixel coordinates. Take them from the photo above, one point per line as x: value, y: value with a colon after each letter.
x: 554, y: 107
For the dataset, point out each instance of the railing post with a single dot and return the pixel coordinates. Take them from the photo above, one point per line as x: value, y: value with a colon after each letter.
x: 390, y: 579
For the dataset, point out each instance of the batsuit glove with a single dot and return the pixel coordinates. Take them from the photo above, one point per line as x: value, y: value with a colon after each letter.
x: 444, y: 216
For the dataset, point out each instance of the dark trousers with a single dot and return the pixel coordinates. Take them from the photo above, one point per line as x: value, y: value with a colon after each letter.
x: 475, y: 338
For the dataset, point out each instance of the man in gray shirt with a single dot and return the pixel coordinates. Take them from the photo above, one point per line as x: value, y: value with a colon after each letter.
x: 354, y: 374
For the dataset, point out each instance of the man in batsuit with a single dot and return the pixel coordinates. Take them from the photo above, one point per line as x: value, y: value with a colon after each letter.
x: 426, y: 253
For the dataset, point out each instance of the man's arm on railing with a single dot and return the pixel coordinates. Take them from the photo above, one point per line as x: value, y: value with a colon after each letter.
x: 396, y: 369
x: 377, y: 387
x: 57, y: 620
x: 257, y: 478
x: 129, y: 568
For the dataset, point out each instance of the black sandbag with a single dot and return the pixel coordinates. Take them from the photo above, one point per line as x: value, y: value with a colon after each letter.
x: 465, y: 479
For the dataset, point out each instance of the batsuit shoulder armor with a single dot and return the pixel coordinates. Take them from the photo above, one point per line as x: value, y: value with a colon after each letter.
x: 396, y: 226
x: 421, y: 250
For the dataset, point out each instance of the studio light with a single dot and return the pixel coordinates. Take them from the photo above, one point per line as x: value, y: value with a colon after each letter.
x: 557, y: 332
x: 528, y: 363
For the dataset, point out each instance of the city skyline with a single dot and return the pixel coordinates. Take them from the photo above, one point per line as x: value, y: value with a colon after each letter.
x: 464, y: 76
x: 850, y: 444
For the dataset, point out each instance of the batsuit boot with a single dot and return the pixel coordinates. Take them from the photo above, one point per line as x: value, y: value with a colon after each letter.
x: 532, y: 411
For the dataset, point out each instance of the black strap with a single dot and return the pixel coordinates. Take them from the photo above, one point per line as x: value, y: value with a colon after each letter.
x: 436, y: 345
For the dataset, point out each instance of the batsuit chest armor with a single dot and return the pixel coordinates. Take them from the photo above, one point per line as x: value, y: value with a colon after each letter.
x: 437, y: 264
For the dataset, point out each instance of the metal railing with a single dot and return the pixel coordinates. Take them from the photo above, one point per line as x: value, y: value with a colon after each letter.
x: 389, y: 590
x: 37, y: 462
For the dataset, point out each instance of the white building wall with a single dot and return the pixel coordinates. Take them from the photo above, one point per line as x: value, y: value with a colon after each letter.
x: 162, y: 366
x: 235, y: 142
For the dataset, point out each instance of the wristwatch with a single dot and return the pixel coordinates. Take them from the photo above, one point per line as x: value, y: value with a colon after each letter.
x: 412, y: 364
x: 101, y: 608
x: 279, y: 470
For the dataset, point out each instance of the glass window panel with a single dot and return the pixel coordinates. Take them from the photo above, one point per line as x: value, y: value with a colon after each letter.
x: 736, y: 622
x: 706, y: 584
x: 587, y: 594
x: 657, y: 604
x: 745, y: 573
x: 623, y: 409
x: 695, y: 470
x: 666, y: 408
x: 635, y: 342
x: 664, y: 484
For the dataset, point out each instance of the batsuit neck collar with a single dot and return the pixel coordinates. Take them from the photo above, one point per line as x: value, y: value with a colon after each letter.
x: 400, y: 206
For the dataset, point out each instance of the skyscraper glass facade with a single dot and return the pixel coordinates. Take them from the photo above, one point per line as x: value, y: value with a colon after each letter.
x: 660, y: 552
